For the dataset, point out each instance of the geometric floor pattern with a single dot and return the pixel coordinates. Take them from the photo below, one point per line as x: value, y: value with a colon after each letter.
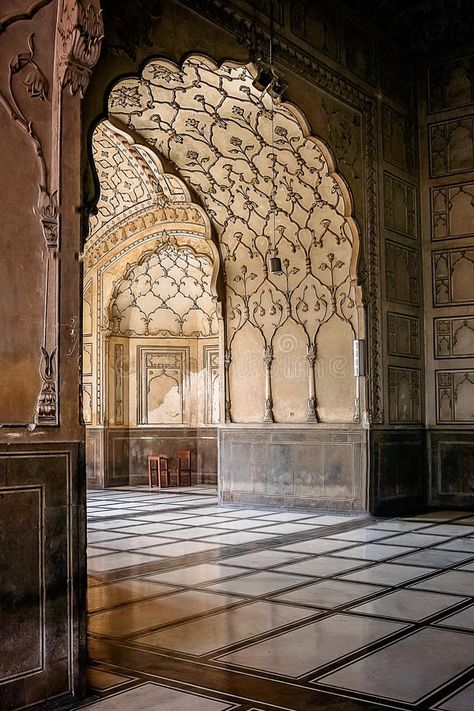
x: 200, y: 607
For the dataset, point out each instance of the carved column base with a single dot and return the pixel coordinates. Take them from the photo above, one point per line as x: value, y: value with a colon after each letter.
x: 268, y: 416
x: 46, y: 408
x: 312, y: 415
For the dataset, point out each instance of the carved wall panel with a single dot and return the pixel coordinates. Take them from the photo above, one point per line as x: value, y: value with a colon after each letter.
x: 258, y: 199
x: 87, y: 403
x: 452, y: 211
x: 454, y: 337
x: 451, y: 84
x: 316, y: 24
x: 452, y: 147
x: 87, y: 310
x: 163, y: 385
x: 453, y: 277
x: 455, y: 396
x: 402, y: 272
x: 398, y: 140
x: 403, y: 335
x: 404, y: 385
x: 119, y: 383
x: 400, y: 206
x: 87, y: 358
x: 359, y: 48
x: 212, y: 385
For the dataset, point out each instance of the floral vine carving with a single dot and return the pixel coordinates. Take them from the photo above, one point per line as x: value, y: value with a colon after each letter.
x: 80, y: 30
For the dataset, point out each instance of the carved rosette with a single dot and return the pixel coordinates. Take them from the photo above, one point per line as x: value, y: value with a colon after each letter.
x: 80, y: 30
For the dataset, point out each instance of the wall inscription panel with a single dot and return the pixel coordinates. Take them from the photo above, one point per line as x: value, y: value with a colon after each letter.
x: 454, y: 337
x: 452, y: 211
x: 452, y: 147
x: 453, y: 277
x: 451, y: 84
x: 403, y: 335
x: 404, y: 395
x: 402, y: 271
x: 454, y: 396
x: 400, y: 206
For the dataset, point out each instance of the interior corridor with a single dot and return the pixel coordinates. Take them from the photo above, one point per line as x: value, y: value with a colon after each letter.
x: 197, y: 607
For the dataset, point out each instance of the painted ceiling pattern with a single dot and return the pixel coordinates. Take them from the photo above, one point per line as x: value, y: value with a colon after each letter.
x: 265, y: 184
x: 167, y: 294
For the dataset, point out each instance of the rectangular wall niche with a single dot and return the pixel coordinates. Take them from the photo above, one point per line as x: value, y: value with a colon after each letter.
x: 453, y: 282
x: 403, y: 335
x: 454, y: 337
x: 452, y: 211
x: 21, y: 566
x: 400, y: 206
x: 163, y: 375
x: 404, y: 395
x: 455, y: 396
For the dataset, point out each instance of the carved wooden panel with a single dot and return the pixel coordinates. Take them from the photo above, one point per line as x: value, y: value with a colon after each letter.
x: 359, y: 47
x: 454, y: 396
x: 317, y: 24
x: 454, y: 337
x: 398, y: 140
x: 452, y: 147
x: 404, y: 395
x: 402, y: 272
x: 163, y: 375
x: 452, y: 211
x: 403, y: 335
x: 453, y: 277
x: 400, y: 206
x: 451, y: 84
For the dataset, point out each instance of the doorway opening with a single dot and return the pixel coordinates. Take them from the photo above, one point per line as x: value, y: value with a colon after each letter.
x: 152, y: 325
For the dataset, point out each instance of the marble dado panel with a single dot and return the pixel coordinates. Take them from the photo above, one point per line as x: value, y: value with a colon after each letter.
x: 42, y: 559
x: 95, y: 458
x: 402, y: 273
x: 451, y: 479
x: 454, y: 337
x: 454, y: 396
x: 400, y: 206
x: 293, y: 467
x: 452, y: 211
x: 453, y: 277
x: 403, y: 335
x: 397, y: 471
x: 127, y: 451
x: 451, y: 84
x: 398, y: 140
x: 316, y: 24
x: 452, y: 147
x: 404, y: 395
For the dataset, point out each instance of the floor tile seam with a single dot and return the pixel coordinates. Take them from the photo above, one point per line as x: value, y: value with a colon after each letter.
x: 446, y: 694
x: 216, y: 554
x: 196, y: 617
x: 279, y: 685
x: 422, y: 623
x: 410, y: 550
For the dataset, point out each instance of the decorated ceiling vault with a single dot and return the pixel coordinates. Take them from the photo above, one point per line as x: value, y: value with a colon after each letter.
x: 264, y: 186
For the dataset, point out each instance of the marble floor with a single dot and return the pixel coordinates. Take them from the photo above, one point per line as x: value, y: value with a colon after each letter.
x: 197, y: 607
